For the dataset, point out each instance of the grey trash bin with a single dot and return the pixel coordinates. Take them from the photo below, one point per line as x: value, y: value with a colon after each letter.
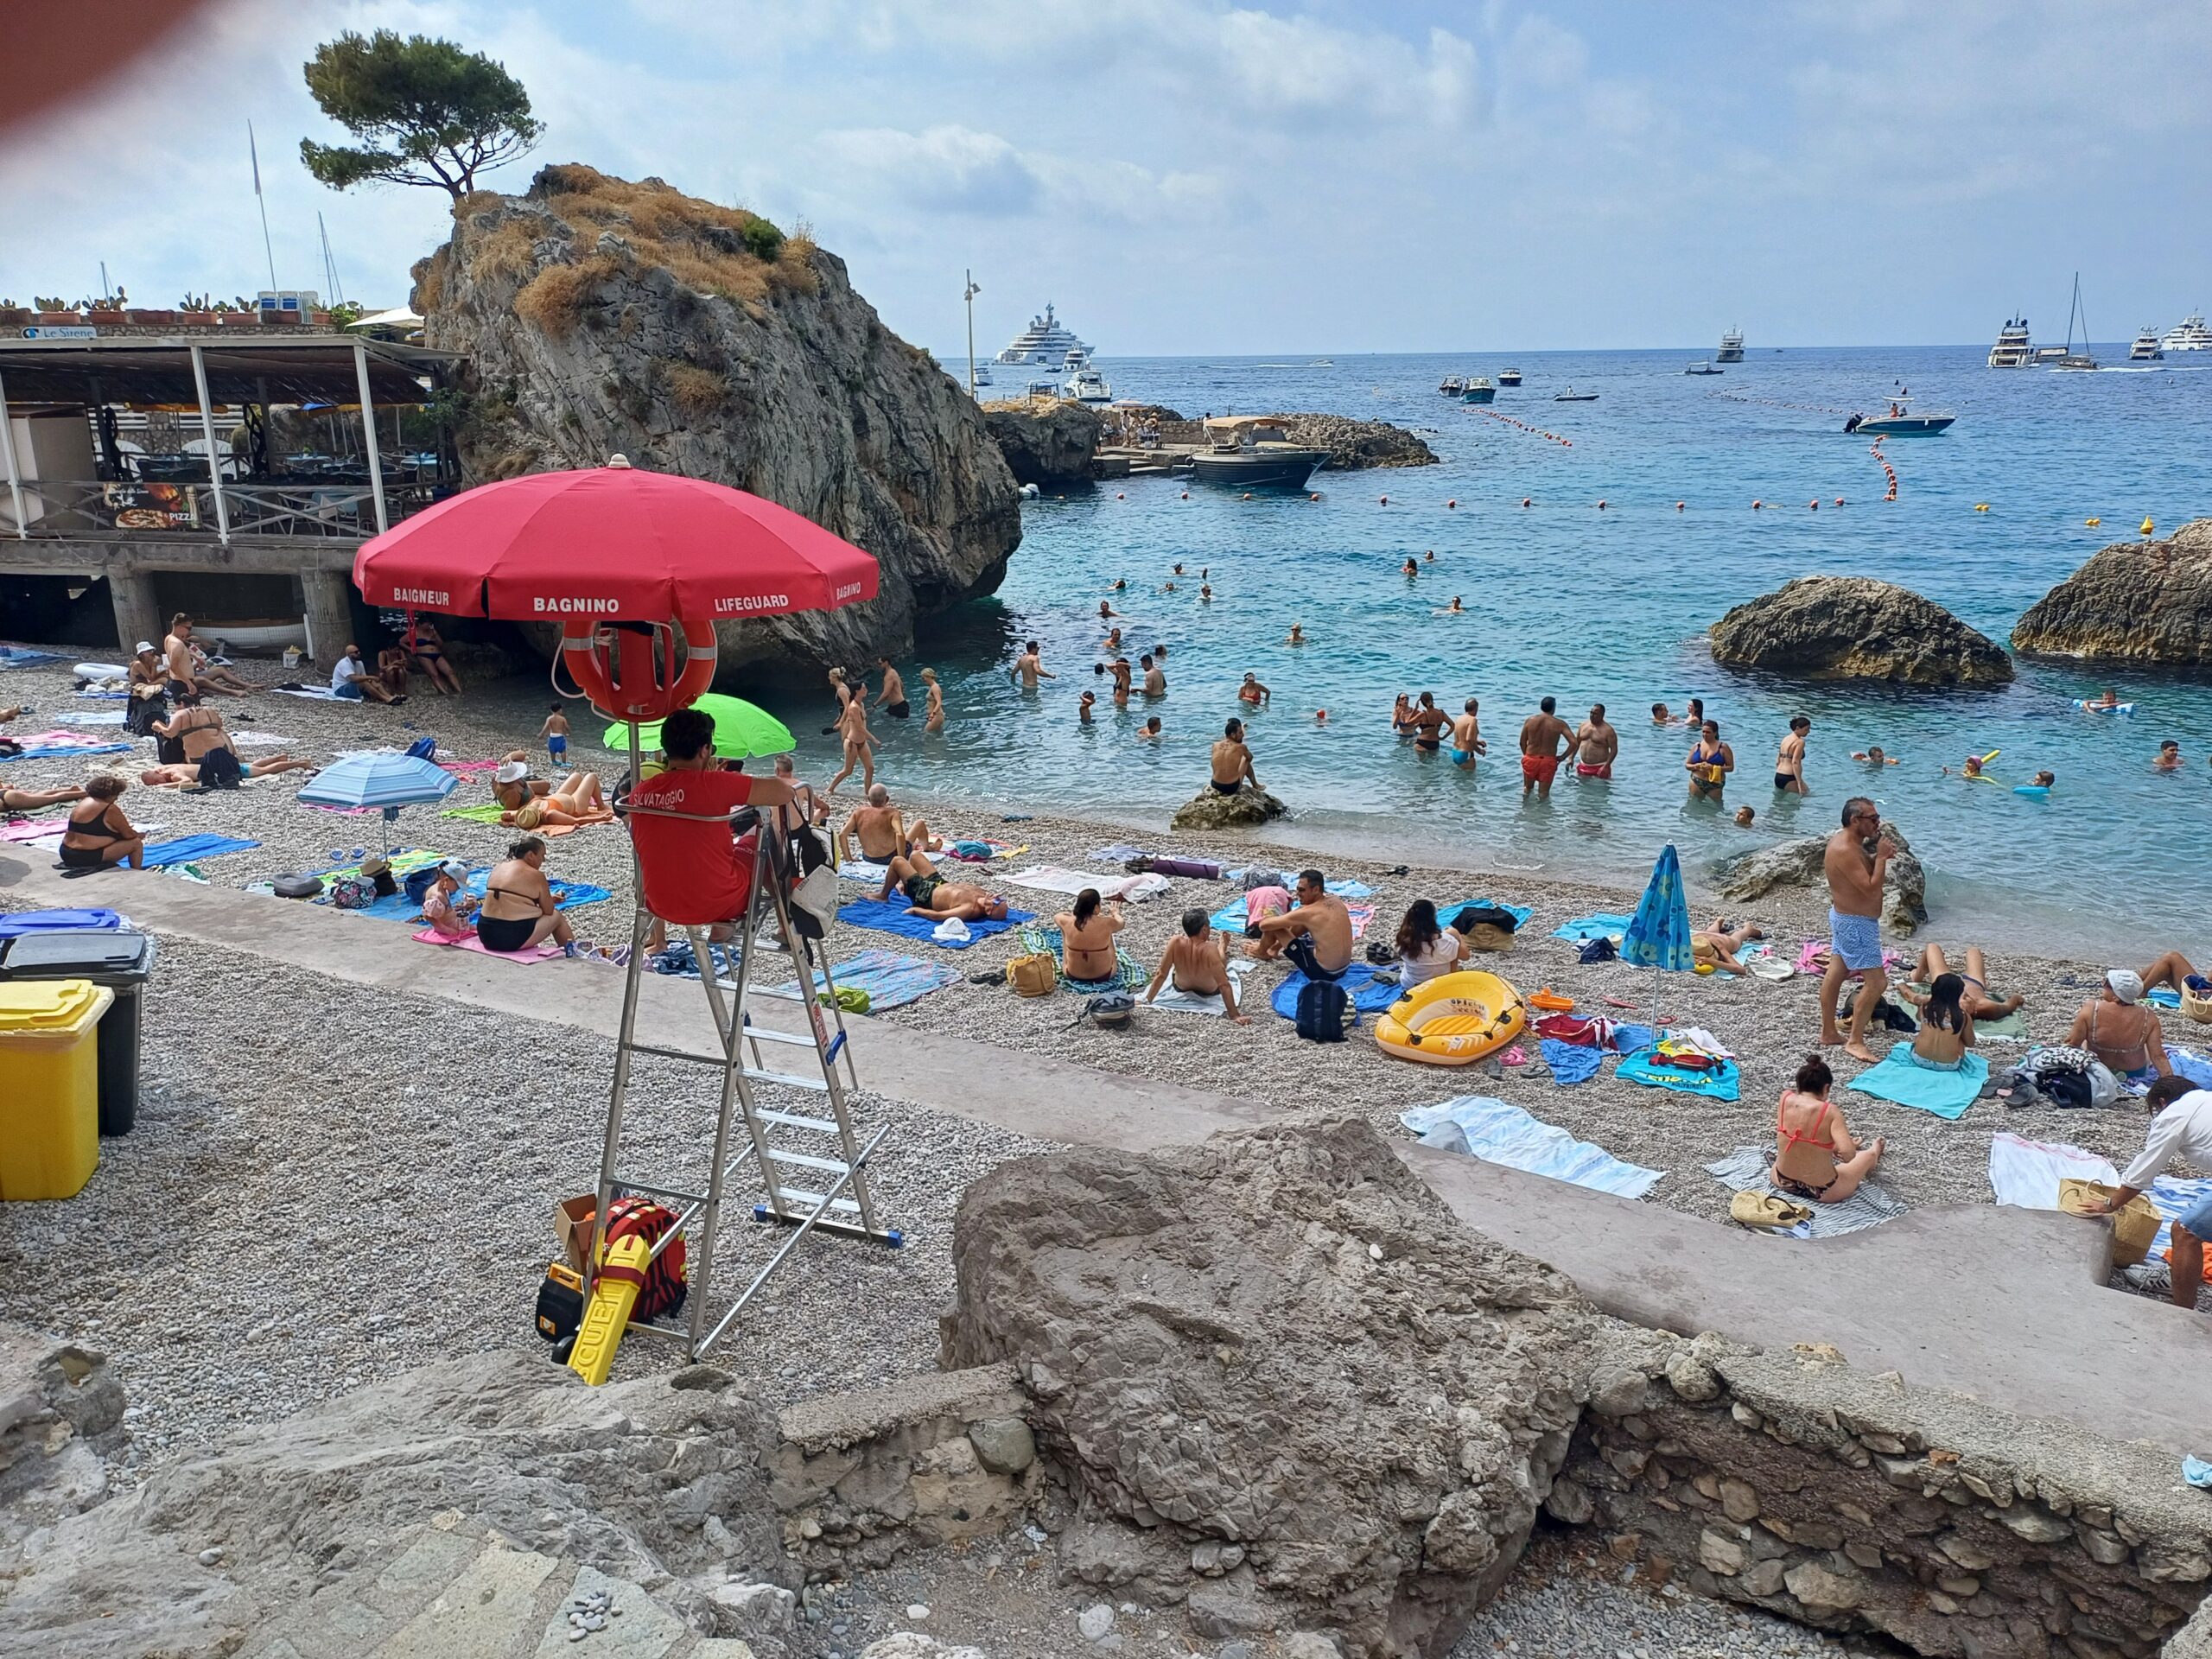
x: 123, y: 961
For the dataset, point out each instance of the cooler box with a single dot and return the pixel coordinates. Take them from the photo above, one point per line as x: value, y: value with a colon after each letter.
x: 49, y: 1086
x: 121, y: 960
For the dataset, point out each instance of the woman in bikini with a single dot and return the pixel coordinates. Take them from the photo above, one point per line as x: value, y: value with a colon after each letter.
x: 517, y: 913
x: 1087, y: 939
x: 99, y: 835
x: 1789, y: 760
x: 428, y: 651
x: 1945, y: 1028
x: 1709, y: 764
x: 1979, y: 1001
x: 578, y: 800
x: 1815, y: 1158
x: 2120, y: 1030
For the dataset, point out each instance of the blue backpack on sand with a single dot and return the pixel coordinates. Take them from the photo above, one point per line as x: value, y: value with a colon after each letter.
x: 1322, y: 1006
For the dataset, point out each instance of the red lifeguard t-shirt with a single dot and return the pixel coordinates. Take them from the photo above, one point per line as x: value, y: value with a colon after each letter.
x: 693, y: 871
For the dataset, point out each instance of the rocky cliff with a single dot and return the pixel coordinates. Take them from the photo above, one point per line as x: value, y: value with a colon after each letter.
x: 2136, y: 601
x: 1045, y: 443
x: 600, y: 316
x: 1856, y: 628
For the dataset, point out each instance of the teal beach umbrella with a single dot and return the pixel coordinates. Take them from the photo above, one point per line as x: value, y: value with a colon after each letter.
x: 742, y: 729
x: 1658, y: 935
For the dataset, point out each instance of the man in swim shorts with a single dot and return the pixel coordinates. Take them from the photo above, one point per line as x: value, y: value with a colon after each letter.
x: 1855, y: 877
x: 1467, y: 738
x: 1232, y: 761
x: 892, y: 698
x: 1595, y: 745
x: 1315, y: 936
x: 1541, y: 734
x: 883, y: 835
x: 931, y: 896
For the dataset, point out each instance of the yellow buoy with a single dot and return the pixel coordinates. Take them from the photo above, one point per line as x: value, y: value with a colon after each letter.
x: 1981, y: 506
x: 2147, y: 525
x: 2091, y: 524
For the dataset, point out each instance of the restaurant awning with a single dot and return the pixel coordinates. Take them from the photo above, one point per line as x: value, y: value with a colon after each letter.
x: 312, y: 368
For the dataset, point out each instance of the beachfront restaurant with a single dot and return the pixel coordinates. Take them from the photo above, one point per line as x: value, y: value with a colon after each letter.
x: 229, y: 477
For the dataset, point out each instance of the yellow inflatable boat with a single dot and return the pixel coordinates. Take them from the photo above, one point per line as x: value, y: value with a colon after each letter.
x: 1453, y: 1020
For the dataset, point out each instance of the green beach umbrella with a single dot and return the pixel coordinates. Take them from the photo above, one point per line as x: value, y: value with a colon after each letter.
x: 742, y: 729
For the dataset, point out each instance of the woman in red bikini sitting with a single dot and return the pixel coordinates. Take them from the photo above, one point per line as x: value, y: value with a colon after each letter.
x: 1815, y: 1158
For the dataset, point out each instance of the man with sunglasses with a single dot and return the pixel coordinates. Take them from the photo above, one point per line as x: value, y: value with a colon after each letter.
x: 1855, y: 877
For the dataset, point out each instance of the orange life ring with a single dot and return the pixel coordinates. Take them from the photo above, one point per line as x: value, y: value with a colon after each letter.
x: 618, y: 668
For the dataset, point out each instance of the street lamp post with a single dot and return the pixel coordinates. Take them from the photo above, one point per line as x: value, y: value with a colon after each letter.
x: 970, y: 297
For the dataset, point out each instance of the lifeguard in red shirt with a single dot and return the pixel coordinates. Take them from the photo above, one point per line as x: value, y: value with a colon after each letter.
x: 694, y: 871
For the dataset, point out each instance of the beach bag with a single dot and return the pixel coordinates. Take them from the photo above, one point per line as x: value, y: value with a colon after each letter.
x: 2196, y: 999
x: 1113, y: 1009
x: 662, y: 1283
x: 817, y: 894
x: 2133, y: 1229
x: 1254, y: 880
x: 1321, y: 1006
x: 353, y: 892
x: 1597, y: 949
x: 423, y: 748
x: 1035, y: 974
x: 1765, y: 1209
x: 417, y: 884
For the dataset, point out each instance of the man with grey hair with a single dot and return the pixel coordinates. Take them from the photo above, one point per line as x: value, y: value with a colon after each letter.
x: 883, y: 834
x: 1855, y: 875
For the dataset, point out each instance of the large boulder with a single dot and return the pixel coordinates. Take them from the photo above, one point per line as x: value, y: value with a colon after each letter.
x: 516, y: 1464
x: 1287, y: 1389
x: 2136, y: 601
x: 1045, y: 443
x: 1352, y: 444
x: 600, y: 316
x: 1856, y: 628
x: 1211, y: 809
x: 1802, y: 864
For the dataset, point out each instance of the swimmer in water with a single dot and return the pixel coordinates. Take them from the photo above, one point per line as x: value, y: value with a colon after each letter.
x: 2107, y: 698
x: 1873, y: 756
x: 1467, y: 737
x: 1178, y: 569
x: 1121, y: 584
x: 1970, y: 768
x: 1429, y: 557
x: 1168, y: 588
x: 1149, y: 730
x: 1410, y: 568
x: 1743, y: 816
x: 1253, y: 692
x: 1660, y: 716
x: 1296, y: 636
x: 1083, y: 709
x: 1113, y: 640
x: 2045, y: 780
x: 1321, y: 715
x: 1401, y: 715
x: 1205, y: 593
x: 1105, y: 610
x: 2169, y: 757
x: 1456, y: 607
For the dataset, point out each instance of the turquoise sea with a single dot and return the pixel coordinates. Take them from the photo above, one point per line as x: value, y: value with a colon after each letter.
x: 1610, y: 606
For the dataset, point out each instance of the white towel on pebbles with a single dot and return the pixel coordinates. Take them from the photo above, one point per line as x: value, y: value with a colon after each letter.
x: 1744, y: 1171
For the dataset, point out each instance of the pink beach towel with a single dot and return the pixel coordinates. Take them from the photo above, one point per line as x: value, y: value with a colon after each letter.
x: 469, y: 768
x: 33, y: 829
x: 546, y: 951
x: 63, y: 741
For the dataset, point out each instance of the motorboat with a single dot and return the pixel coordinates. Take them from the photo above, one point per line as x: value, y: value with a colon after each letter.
x: 2070, y: 359
x: 2146, y: 348
x: 1703, y: 368
x: 1571, y: 396
x: 1047, y: 340
x: 1732, y: 347
x: 1077, y: 357
x: 1088, y: 386
x: 2013, y: 349
x: 1254, y: 452
x: 2189, y: 334
x: 1509, y: 377
x: 983, y: 374
x: 1478, y: 391
x: 1902, y: 421
x: 1453, y: 386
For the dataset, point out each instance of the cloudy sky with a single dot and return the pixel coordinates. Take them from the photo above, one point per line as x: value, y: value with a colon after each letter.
x: 1182, y: 176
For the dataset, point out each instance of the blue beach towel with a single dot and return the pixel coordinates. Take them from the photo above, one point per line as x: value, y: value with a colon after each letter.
x: 1368, y: 995
x: 16, y: 924
x: 67, y: 754
x: 890, y: 980
x: 104, y: 696
x: 2173, y: 1197
x: 2189, y: 1065
x: 1570, y: 1063
x: 566, y: 895
x: 1718, y: 1083
x: 889, y: 916
x: 1520, y: 913
x: 191, y: 848
x: 1500, y: 1133
x: 2163, y: 997
x: 1902, y: 1080
x: 25, y: 657
x: 1598, y: 925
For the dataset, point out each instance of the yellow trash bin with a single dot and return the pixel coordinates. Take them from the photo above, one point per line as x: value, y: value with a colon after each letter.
x: 49, y: 1086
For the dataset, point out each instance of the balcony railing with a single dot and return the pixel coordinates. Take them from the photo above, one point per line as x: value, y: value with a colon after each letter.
x: 338, y: 510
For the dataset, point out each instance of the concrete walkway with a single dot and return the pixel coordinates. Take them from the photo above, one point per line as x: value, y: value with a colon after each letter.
x: 2008, y: 1306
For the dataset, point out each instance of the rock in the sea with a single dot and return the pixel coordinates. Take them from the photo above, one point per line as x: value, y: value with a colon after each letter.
x: 601, y: 317
x: 487, y: 1468
x: 1856, y: 628
x: 1352, y: 444
x: 1045, y: 443
x: 1210, y: 809
x: 2136, y: 601
x: 1801, y: 863
x: 1279, y: 1340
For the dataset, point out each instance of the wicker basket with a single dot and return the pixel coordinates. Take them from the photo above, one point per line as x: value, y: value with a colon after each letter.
x: 2198, y: 1008
x: 1488, y: 936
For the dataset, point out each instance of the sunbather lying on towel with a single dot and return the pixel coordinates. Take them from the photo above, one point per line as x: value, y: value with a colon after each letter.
x: 1979, y: 1002
x: 1315, y: 936
x: 930, y: 895
x: 1815, y: 1157
x: 1718, y: 943
x: 29, y: 800
x: 1197, y: 963
x: 2172, y: 969
x: 185, y: 773
x: 578, y: 800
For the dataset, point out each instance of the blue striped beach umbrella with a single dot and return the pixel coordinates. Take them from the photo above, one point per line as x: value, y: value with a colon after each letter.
x: 379, y: 778
x: 1658, y: 935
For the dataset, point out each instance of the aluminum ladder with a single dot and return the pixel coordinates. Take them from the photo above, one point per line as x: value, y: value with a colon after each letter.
x: 833, y: 1163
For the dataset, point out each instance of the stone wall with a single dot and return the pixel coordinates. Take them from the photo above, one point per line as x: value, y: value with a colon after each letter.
x: 861, y: 1477
x: 1858, y: 1503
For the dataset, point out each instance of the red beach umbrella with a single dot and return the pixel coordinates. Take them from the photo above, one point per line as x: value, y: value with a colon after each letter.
x: 611, y: 544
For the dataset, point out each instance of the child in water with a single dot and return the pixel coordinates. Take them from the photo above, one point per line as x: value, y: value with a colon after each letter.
x: 1873, y: 756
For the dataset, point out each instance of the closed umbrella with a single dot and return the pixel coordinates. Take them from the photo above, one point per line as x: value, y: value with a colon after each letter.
x: 1658, y: 935
x: 379, y: 778
x: 742, y: 729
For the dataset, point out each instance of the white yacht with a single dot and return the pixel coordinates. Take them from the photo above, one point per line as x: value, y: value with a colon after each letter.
x: 1087, y: 385
x: 2189, y: 334
x: 2146, y: 348
x: 1732, y: 347
x: 2011, y: 350
x: 2083, y: 360
x: 1046, y: 341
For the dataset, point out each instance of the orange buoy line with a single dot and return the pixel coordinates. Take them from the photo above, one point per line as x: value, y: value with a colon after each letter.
x: 1523, y: 426
x: 1778, y: 403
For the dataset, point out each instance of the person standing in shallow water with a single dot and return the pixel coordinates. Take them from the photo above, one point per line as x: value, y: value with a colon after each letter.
x: 1789, y: 764
x: 1541, y: 734
x: 1596, y: 745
